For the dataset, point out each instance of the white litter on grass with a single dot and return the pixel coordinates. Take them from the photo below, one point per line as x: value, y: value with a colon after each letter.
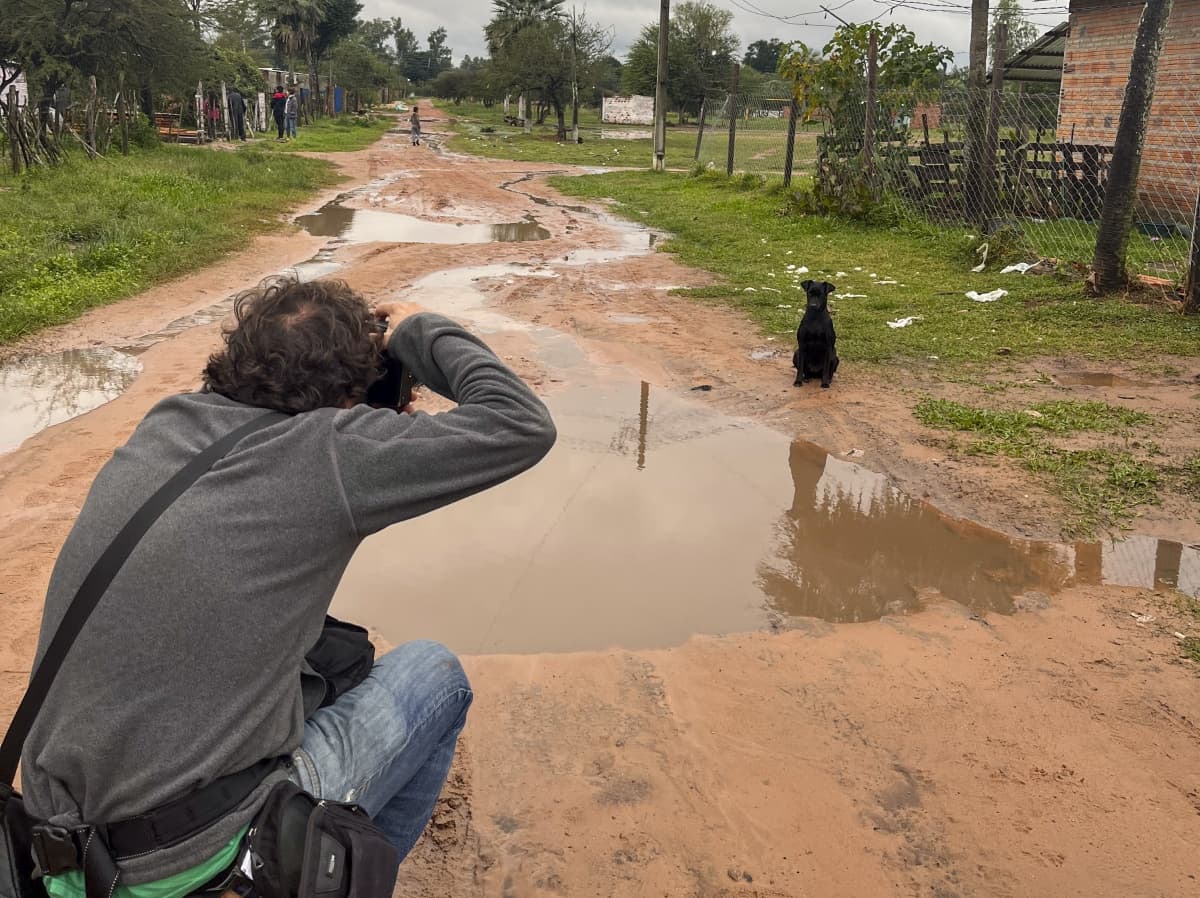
x: 874, y: 275
x: 986, y: 297
x: 791, y: 268
x: 852, y: 296
x: 840, y: 274
x: 858, y: 268
x: 749, y: 290
x: 903, y: 322
x: 770, y: 274
x: 887, y: 281
x: 783, y: 306
x: 802, y: 270
x: 772, y: 290
x: 788, y: 253
x: 983, y: 252
x: 1019, y: 267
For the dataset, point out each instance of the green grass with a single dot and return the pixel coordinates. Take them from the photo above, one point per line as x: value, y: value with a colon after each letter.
x: 343, y: 134
x: 89, y: 233
x: 1101, y: 487
x: 747, y: 233
x: 760, y: 143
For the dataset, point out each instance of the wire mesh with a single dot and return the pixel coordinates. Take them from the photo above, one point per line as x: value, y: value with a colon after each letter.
x: 1041, y: 173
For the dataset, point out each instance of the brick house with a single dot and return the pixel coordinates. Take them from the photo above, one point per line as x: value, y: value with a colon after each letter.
x: 1099, y: 44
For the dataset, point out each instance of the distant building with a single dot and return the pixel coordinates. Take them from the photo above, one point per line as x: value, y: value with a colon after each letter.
x: 635, y: 110
x: 20, y: 85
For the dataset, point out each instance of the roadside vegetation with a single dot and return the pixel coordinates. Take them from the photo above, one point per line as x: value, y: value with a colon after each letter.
x: 344, y: 134
x: 86, y: 233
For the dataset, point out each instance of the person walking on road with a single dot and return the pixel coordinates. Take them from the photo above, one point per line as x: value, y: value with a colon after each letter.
x: 291, y: 111
x: 237, y: 114
x: 415, y: 120
x: 278, y: 103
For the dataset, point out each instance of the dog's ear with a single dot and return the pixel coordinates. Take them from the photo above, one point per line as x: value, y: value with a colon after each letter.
x: 829, y: 288
x: 806, y: 284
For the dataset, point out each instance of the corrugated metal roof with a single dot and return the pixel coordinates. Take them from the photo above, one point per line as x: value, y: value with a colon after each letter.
x: 1041, y: 61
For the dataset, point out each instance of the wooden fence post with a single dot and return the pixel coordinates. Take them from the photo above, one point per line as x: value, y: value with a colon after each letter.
x: 122, y: 118
x: 790, y: 153
x: 869, y: 121
x: 12, y: 130
x: 733, y: 114
x: 90, y: 124
x: 225, y: 112
x: 700, y: 133
x: 988, y: 201
x: 1191, y: 293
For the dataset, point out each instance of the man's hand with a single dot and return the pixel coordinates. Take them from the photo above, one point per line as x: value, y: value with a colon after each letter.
x: 395, y: 313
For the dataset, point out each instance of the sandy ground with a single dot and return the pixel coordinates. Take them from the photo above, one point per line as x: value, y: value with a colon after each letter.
x: 1052, y: 752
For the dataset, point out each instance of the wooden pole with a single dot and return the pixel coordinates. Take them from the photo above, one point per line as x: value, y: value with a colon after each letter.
x: 1191, y: 293
x: 12, y: 130
x: 225, y: 111
x: 790, y: 153
x: 733, y: 115
x: 975, y: 137
x: 91, y: 115
x: 988, y: 202
x: 660, y: 88
x: 122, y: 119
x: 700, y: 132
x: 869, y: 121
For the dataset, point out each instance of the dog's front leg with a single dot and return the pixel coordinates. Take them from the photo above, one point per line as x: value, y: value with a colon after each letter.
x: 798, y: 361
x: 827, y: 370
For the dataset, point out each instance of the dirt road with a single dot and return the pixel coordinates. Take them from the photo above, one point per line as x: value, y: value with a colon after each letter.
x: 710, y: 658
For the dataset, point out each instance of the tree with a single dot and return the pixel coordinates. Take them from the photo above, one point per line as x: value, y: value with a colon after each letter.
x: 700, y: 50
x: 763, y: 56
x: 540, y: 58
x: 339, y: 20
x: 510, y: 16
x: 295, y: 28
x: 453, y: 84
x: 438, y: 56
x: 376, y: 36
x: 1116, y: 216
x: 242, y: 25
x: 360, y: 72
x: 1021, y: 32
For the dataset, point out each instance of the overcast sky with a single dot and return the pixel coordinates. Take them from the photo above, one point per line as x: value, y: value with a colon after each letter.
x: 464, y: 20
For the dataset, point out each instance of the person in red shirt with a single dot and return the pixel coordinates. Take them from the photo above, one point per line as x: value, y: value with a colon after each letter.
x: 278, y: 108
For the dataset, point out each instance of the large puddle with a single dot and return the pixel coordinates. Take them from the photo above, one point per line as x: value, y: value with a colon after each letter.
x: 42, y: 390
x: 374, y: 226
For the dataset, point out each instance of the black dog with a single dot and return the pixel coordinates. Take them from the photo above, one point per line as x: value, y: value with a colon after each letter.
x: 816, y: 355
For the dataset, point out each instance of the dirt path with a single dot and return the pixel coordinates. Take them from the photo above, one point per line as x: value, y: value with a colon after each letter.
x: 938, y: 750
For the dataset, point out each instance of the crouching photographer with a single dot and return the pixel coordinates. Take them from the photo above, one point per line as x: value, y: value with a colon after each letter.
x: 208, y: 730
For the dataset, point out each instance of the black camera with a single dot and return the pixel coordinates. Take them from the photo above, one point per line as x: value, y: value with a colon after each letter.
x: 394, y: 388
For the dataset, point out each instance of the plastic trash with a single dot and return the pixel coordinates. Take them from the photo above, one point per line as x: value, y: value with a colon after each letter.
x: 986, y: 297
x: 903, y: 322
x: 887, y: 281
x: 1018, y: 267
x: 982, y: 251
x: 802, y: 270
x: 840, y: 274
x: 1142, y: 618
x: 852, y: 296
x: 854, y: 453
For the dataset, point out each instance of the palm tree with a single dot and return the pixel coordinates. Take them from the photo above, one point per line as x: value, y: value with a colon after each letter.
x: 295, y: 28
x: 511, y: 16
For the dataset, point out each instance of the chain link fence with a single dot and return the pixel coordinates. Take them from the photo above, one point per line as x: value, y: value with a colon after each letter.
x: 1037, y: 182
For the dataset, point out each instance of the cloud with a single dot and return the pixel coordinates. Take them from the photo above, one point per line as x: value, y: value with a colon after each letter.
x: 464, y: 21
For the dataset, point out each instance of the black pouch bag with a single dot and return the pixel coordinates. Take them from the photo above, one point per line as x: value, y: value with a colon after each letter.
x: 305, y: 848
x: 343, y: 657
x: 16, y: 860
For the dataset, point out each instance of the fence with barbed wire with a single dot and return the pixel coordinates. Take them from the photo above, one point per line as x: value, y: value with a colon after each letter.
x: 1038, y: 181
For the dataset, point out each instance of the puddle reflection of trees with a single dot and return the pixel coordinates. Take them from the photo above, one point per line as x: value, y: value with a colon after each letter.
x: 853, y: 548
x: 41, y: 390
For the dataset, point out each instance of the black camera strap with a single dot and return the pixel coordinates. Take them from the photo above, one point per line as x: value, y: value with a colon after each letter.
x: 172, y: 821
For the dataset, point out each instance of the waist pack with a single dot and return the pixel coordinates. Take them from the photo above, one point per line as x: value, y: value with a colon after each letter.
x: 302, y: 847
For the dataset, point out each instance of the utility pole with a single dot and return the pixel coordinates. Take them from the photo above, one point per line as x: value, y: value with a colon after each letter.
x: 660, y: 91
x: 976, y: 130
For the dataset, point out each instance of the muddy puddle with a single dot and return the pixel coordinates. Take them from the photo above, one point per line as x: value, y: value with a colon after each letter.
x: 1094, y: 379
x: 375, y: 226
x: 40, y: 391
x: 656, y: 518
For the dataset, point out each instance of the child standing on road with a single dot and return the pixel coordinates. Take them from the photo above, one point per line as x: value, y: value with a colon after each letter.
x: 290, y: 111
x: 415, y: 119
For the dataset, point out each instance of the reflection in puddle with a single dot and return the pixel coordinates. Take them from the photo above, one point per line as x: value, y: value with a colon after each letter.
x: 1094, y: 379
x: 42, y: 390
x: 373, y: 226
x: 852, y: 547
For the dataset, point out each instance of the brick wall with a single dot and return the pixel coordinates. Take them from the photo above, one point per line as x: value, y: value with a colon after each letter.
x: 1095, y: 70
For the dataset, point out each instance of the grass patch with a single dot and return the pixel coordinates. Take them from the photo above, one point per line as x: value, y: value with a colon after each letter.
x: 1186, y: 476
x: 1101, y: 487
x: 342, y: 134
x: 88, y: 233
x: 750, y: 236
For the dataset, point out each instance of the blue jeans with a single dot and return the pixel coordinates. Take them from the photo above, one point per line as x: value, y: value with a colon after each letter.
x: 387, y: 744
x: 290, y: 126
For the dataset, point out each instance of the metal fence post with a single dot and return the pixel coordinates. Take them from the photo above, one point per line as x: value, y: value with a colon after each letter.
x: 1191, y: 295
x: 733, y: 114
x: 790, y: 153
x: 869, y: 122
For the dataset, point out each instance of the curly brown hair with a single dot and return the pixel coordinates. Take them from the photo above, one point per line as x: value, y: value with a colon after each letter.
x: 296, y: 347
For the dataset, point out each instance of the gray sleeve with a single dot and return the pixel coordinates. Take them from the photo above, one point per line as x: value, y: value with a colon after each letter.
x: 396, y: 466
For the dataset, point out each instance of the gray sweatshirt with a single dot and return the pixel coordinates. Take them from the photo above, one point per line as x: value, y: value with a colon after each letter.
x: 189, y: 669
